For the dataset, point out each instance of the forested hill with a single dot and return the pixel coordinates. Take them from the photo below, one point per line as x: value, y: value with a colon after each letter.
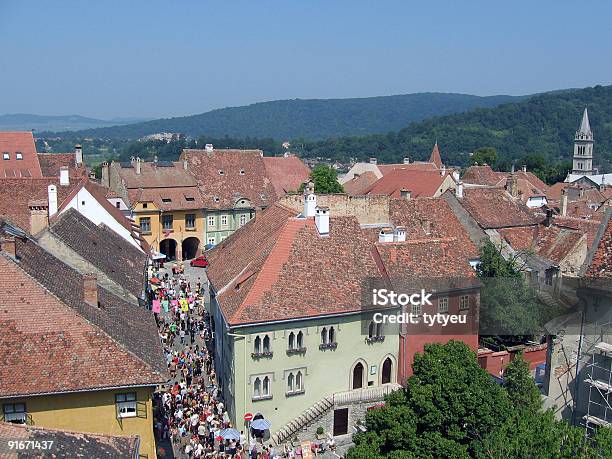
x: 541, y: 125
x: 311, y: 119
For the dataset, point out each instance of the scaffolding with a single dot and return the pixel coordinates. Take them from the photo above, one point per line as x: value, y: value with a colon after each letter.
x: 599, y: 379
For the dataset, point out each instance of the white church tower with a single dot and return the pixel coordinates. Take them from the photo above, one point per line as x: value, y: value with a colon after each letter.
x: 583, y: 148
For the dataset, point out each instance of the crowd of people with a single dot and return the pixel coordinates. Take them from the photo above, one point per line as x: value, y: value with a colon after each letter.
x: 190, y: 412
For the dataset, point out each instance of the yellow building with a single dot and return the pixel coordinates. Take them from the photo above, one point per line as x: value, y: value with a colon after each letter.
x: 165, y: 202
x: 75, y: 356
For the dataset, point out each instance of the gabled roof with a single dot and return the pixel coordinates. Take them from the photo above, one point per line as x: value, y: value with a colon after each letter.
x: 286, y: 173
x: 585, y: 126
x: 264, y: 272
x: 482, y: 175
x: 68, y: 444
x: 600, y: 264
x: 103, y: 248
x: 435, y: 157
x: 494, y: 208
x: 51, y: 163
x: 167, y: 199
x: 226, y: 176
x: 360, y: 183
x: 154, y: 175
x: 53, y: 341
x: 419, y: 183
x: 23, y: 143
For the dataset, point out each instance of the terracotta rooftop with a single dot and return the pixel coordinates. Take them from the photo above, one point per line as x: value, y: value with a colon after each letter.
x: 19, y: 159
x: 162, y: 174
x: 226, y: 176
x: 417, y: 166
x: 50, y: 164
x: 420, y: 183
x: 53, y: 341
x: 360, y: 183
x: 67, y: 444
x: 601, y: 263
x: 494, y: 208
x: 286, y: 173
x: 435, y: 157
x: 482, y: 175
x: 264, y: 272
x: 175, y: 198
x: 528, y: 183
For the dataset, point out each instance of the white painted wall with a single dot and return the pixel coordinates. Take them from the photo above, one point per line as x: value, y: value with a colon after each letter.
x: 89, y: 207
x: 122, y: 206
x: 536, y: 201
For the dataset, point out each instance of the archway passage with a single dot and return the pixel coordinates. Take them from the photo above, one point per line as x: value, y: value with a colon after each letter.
x: 387, y: 369
x: 358, y: 376
x: 168, y: 248
x: 190, y: 248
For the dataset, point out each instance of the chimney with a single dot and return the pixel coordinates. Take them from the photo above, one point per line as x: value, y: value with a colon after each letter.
x: 185, y: 164
x: 456, y: 176
x: 512, y: 169
x: 310, y: 201
x: 385, y: 235
x: 38, y: 216
x: 563, y: 204
x: 406, y: 160
x: 209, y: 148
x: 443, y: 170
x: 459, y: 190
x: 405, y: 194
x: 373, y: 160
x: 512, y: 185
x: 155, y: 158
x: 322, y: 220
x: 138, y: 161
x: 549, y: 218
x: 52, y: 197
x: 105, y: 175
x: 90, y: 289
x: 8, y: 246
x: 524, y: 168
x: 399, y: 235
x: 78, y: 154
x: 64, y: 176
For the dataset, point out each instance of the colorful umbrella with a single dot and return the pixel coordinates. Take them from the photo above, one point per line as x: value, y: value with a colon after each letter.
x: 230, y: 434
x: 261, y: 424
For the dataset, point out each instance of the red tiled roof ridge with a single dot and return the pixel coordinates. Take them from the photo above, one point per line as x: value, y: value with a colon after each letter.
x: 278, y: 256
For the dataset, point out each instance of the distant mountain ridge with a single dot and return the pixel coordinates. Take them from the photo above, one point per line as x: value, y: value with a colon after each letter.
x: 312, y: 119
x: 27, y: 122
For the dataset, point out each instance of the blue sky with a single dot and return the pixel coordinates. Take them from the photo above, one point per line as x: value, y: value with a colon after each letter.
x: 153, y: 58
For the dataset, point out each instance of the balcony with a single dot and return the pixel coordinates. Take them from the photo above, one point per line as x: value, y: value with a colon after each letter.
x: 375, y: 339
x: 324, y: 346
x: 262, y: 355
x: 296, y: 350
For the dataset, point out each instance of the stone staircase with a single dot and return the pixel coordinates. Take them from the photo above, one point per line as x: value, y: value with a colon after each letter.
x: 317, y: 410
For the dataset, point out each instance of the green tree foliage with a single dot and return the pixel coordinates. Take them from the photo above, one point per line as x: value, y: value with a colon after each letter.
x: 519, y: 384
x: 484, y: 155
x: 452, y: 408
x: 325, y: 180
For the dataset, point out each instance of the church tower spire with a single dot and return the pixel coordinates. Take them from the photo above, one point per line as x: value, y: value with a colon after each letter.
x: 583, y: 147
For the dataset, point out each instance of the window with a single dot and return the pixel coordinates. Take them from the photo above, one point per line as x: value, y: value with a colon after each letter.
x: 443, y: 305
x: 221, y: 172
x: 145, y: 225
x: 291, y: 340
x: 14, y: 412
x: 375, y: 332
x: 295, y: 383
x: 166, y: 200
x: 167, y: 221
x: 257, y: 346
x: 416, y: 309
x: 464, y: 303
x: 324, y: 336
x: 261, y: 347
x: 262, y: 388
x: 223, y: 220
x: 189, y: 198
x: 216, y: 199
x: 266, y: 344
x: 190, y: 221
x: 257, y: 388
x: 6, y: 155
x: 126, y: 405
x: 211, y: 220
x: 211, y: 240
x: 118, y: 205
x: 243, y: 219
x: 145, y: 205
x: 266, y: 386
x: 328, y: 338
x: 295, y: 343
x: 241, y: 171
x: 19, y: 155
x: 300, y: 340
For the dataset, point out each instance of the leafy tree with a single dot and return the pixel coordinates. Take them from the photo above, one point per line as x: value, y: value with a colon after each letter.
x: 519, y: 384
x: 325, y: 180
x: 484, y: 155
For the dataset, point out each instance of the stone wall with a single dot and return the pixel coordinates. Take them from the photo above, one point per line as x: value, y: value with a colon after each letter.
x: 367, y: 209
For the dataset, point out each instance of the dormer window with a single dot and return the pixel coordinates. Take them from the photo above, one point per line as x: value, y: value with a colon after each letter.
x: 216, y: 199
x: 6, y: 155
x: 19, y: 155
x: 221, y: 172
x: 166, y: 200
x: 241, y: 171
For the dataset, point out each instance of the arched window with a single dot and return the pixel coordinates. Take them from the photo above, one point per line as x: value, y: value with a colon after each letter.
x: 257, y: 346
x: 290, y: 382
x: 298, y: 381
x: 291, y: 340
x: 300, y: 340
x: 332, y: 335
x: 257, y: 388
x: 358, y: 376
x: 266, y: 386
x: 371, y: 330
x: 266, y: 344
x: 379, y: 329
x: 387, y: 368
x: 324, y: 336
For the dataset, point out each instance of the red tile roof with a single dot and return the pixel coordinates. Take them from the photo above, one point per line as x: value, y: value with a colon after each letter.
x: 164, y: 174
x: 482, y: 175
x: 286, y: 173
x: 19, y: 142
x: 588, y: 227
x: 601, y: 263
x: 176, y: 198
x: 435, y: 157
x: 226, y: 176
x: 419, y: 183
x: 359, y: 184
x: 50, y: 164
x: 418, y: 166
x: 495, y: 208
x: 264, y: 272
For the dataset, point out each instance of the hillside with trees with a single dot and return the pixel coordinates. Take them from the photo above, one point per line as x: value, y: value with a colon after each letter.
x: 312, y: 119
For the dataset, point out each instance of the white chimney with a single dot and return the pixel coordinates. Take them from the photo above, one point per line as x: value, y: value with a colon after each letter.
x: 456, y: 176
x: 209, y: 147
x: 322, y: 220
x: 64, y: 177
x: 459, y: 190
x: 399, y: 235
x: 185, y: 164
x: 310, y: 204
x: 78, y: 154
x: 524, y: 168
x: 385, y: 235
x: 373, y: 160
x: 406, y: 160
x: 563, y: 204
x: 443, y: 170
x: 405, y: 194
x: 52, y: 197
x: 137, y: 166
